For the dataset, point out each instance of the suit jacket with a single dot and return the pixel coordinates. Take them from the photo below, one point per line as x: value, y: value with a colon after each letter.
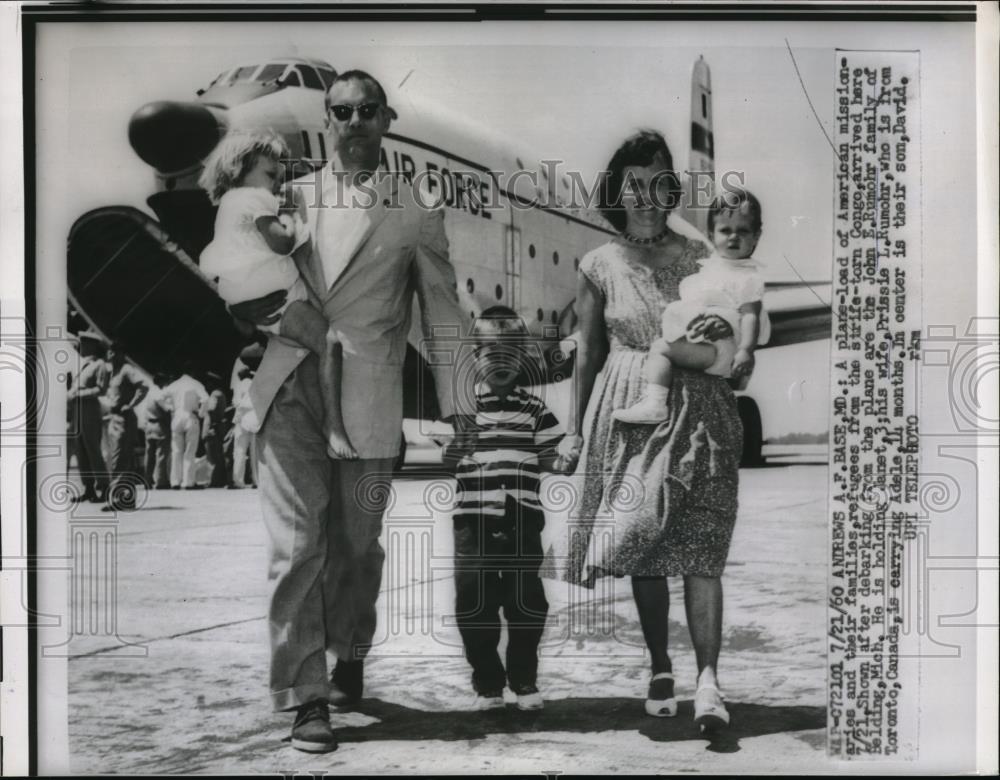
x: 401, y: 249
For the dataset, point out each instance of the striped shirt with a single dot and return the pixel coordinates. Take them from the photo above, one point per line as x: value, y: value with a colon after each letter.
x: 508, y: 435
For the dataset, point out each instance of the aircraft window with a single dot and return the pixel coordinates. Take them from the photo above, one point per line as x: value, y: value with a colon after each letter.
x: 531, y: 250
x: 309, y: 77
x: 555, y: 258
x: 292, y: 79
x: 541, y: 315
x: 305, y: 144
x: 242, y: 74
x: 555, y: 317
x: 576, y: 263
x: 704, y: 107
x: 322, y: 153
x: 470, y: 285
x: 270, y: 72
x: 499, y: 292
x: 328, y: 75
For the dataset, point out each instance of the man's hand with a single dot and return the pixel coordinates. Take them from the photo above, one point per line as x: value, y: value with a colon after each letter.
x: 743, y: 363
x: 260, y: 311
x: 708, y: 328
x: 569, y: 449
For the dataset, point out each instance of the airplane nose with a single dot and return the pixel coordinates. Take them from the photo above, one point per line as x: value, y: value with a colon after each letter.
x: 173, y: 136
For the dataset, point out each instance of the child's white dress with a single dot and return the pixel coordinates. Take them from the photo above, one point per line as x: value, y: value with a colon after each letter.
x: 719, y: 288
x: 239, y: 256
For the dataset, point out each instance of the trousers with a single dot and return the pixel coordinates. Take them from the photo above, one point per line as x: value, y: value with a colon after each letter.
x: 89, y: 458
x: 242, y: 442
x: 157, y: 461
x: 497, y: 561
x: 123, y: 432
x: 185, y: 431
x: 323, y: 520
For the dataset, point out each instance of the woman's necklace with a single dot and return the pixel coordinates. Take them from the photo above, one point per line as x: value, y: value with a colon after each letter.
x: 646, y: 241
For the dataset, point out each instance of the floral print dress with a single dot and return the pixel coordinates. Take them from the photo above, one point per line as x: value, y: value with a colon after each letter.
x: 655, y: 499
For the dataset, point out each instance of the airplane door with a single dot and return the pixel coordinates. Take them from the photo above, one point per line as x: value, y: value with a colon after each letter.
x: 513, y: 266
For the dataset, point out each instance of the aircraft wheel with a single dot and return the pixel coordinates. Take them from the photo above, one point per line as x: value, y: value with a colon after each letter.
x: 753, y: 434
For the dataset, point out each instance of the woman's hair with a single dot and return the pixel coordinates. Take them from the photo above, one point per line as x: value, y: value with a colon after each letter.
x: 640, y: 149
x: 235, y: 156
x: 736, y: 200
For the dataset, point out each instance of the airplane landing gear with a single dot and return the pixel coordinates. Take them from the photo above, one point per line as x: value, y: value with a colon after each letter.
x: 753, y: 435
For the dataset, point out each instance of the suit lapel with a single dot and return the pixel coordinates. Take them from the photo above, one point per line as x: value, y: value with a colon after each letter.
x: 307, y: 258
x: 368, y: 221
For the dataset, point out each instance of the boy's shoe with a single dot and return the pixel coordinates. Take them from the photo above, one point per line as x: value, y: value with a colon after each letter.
x: 488, y: 700
x: 660, y: 701
x: 528, y: 697
x: 645, y: 411
x: 311, y: 731
x: 347, y: 683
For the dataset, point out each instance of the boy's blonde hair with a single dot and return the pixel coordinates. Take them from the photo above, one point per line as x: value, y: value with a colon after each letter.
x: 234, y: 157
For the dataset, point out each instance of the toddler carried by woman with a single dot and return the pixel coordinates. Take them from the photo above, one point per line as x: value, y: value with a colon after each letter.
x: 729, y: 285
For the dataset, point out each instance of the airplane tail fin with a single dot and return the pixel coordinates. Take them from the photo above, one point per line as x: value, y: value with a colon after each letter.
x: 700, y: 179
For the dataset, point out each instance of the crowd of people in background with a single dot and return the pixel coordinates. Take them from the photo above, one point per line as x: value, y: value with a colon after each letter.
x: 163, y: 432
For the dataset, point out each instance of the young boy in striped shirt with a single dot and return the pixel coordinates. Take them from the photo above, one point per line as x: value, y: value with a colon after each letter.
x: 498, y: 519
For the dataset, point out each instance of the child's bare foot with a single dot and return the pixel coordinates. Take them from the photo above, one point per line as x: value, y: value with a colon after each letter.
x: 339, y: 447
x: 646, y: 411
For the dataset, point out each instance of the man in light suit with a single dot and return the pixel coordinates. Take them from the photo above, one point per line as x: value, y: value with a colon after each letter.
x: 362, y: 265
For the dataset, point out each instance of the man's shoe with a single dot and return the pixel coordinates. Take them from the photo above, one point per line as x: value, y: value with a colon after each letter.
x: 488, y: 700
x: 347, y: 683
x: 528, y: 697
x: 311, y: 731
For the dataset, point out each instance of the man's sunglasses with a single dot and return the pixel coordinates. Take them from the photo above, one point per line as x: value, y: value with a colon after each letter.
x: 343, y: 112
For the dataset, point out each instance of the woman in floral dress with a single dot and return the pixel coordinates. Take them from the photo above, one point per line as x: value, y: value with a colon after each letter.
x: 668, y: 490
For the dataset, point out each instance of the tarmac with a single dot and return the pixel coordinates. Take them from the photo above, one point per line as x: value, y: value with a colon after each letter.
x: 180, y: 683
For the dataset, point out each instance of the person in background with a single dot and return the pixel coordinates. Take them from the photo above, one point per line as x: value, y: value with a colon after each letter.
x: 126, y: 388
x: 158, y: 408
x: 86, y: 418
x: 189, y: 399
x: 242, y: 438
x: 214, y: 427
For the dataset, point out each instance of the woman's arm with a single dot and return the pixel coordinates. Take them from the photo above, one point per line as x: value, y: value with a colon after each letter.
x: 592, y: 350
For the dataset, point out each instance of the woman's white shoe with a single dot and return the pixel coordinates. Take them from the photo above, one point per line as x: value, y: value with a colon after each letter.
x: 660, y: 701
x: 710, y: 712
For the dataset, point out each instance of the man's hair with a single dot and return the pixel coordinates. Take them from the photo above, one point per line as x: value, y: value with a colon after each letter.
x: 356, y: 75
x: 639, y: 149
x: 235, y: 156
x: 499, y: 321
x: 738, y: 201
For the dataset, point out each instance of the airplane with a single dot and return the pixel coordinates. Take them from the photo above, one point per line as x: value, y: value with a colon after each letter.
x: 136, y: 279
